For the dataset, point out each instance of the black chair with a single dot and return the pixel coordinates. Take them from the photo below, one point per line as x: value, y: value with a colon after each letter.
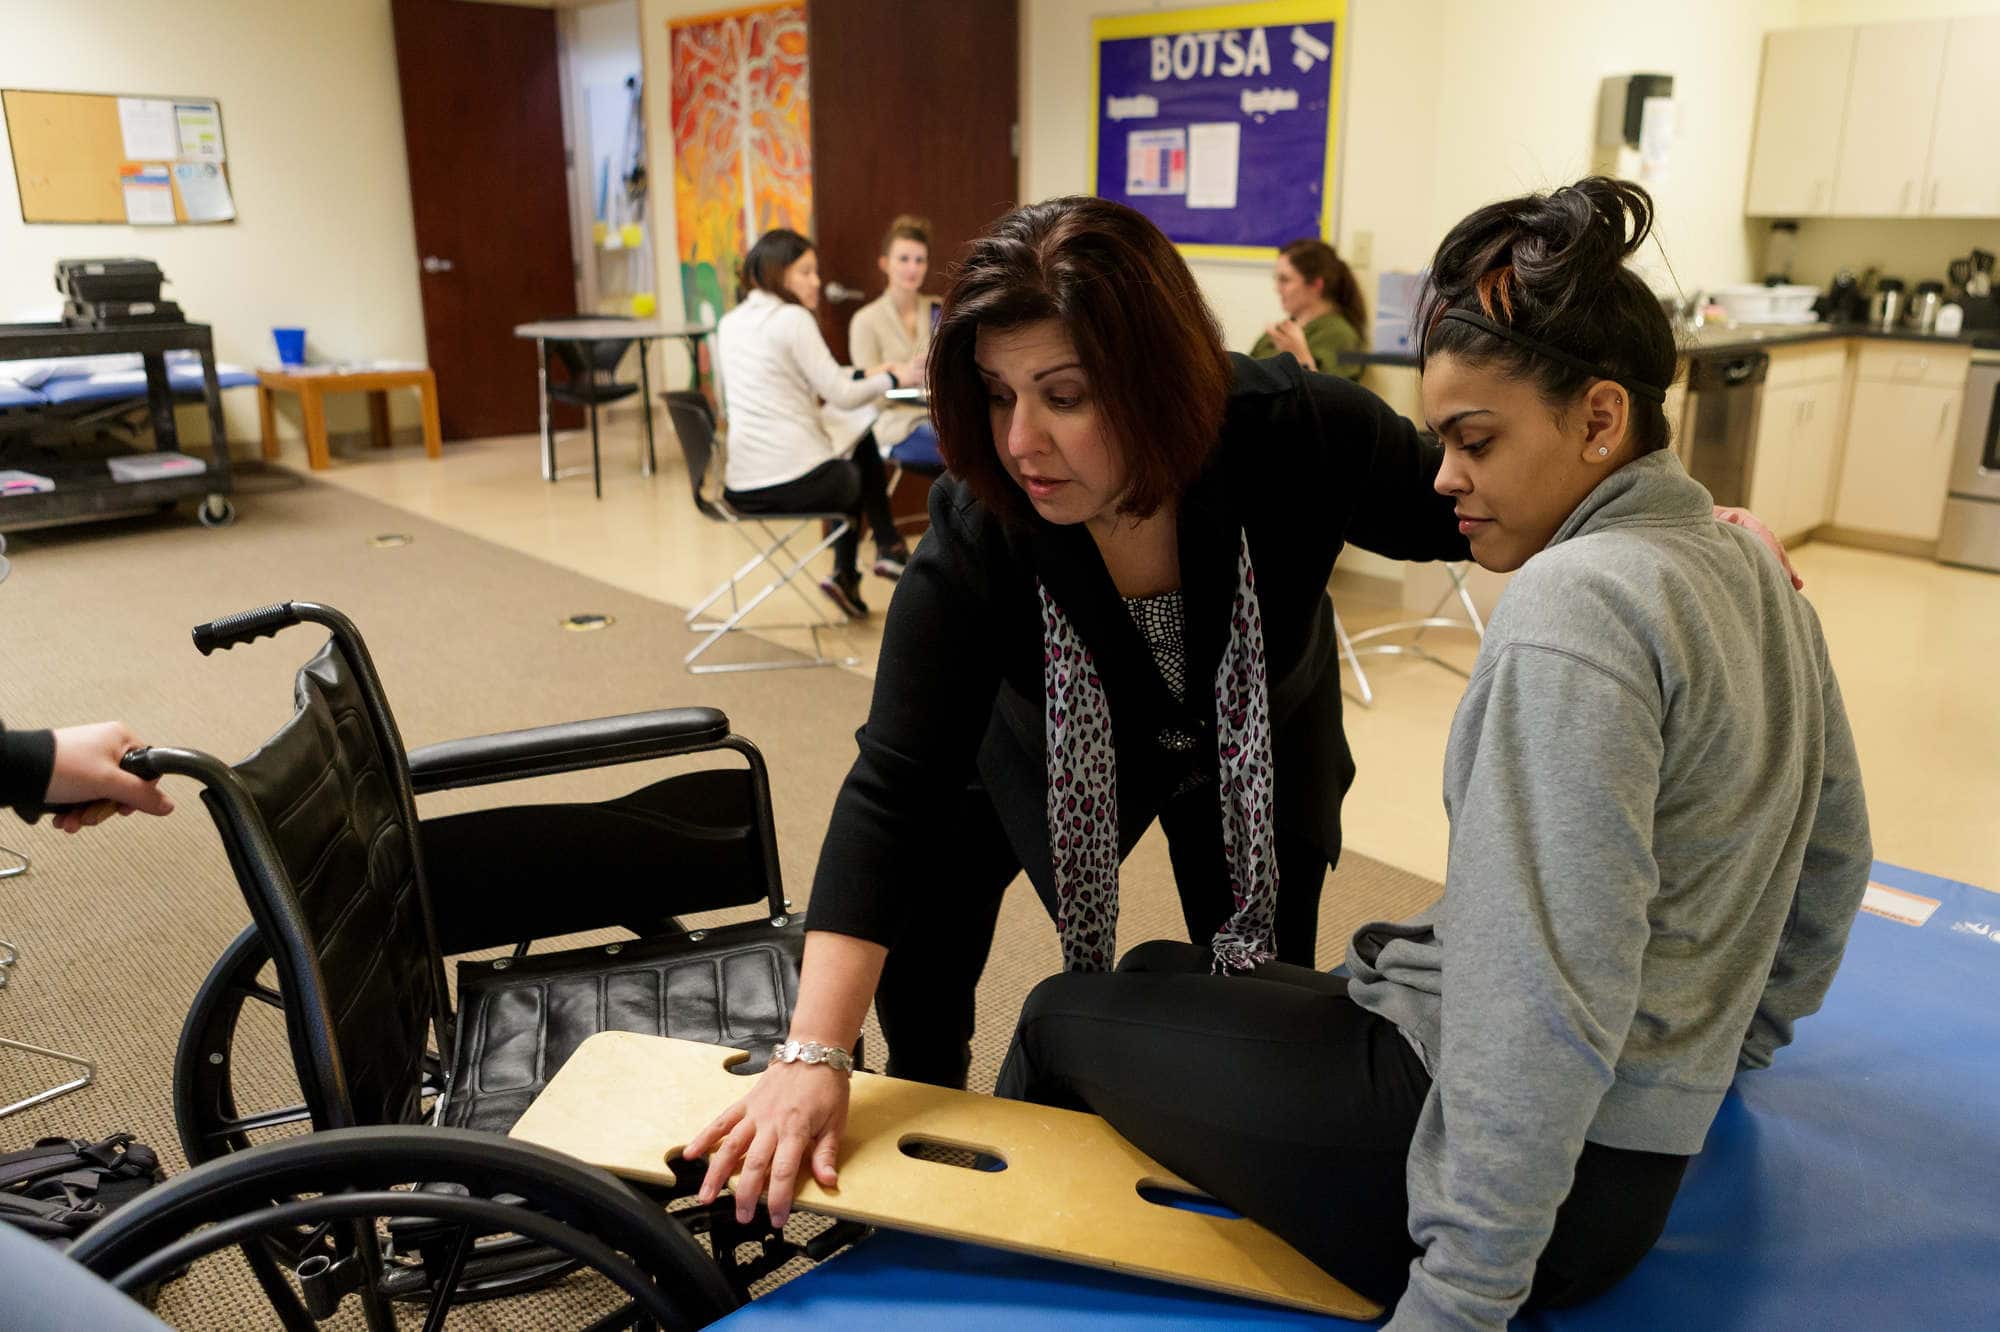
x: 591, y: 368
x: 694, y: 426
x: 356, y: 903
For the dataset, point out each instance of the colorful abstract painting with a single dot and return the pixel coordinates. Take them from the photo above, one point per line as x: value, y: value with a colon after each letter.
x: 742, y: 142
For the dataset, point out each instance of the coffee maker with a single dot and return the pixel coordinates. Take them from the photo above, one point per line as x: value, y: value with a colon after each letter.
x: 1845, y: 301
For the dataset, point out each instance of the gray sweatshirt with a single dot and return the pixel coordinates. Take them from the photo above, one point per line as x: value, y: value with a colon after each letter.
x: 1658, y: 843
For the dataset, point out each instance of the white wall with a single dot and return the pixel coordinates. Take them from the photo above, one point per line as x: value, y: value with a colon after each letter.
x: 1453, y: 103
x: 313, y: 122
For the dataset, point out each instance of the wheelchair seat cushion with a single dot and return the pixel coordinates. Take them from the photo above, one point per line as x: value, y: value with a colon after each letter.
x: 519, y: 1020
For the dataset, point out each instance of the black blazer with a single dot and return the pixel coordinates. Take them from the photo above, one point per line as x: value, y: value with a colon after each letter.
x: 1305, y: 463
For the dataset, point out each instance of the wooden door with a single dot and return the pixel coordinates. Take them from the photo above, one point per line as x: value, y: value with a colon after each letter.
x: 1965, y: 146
x: 913, y: 111
x: 1891, y: 108
x: 1799, y: 110
x: 482, y: 119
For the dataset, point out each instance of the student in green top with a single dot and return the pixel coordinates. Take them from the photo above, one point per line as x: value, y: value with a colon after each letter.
x: 1324, y: 313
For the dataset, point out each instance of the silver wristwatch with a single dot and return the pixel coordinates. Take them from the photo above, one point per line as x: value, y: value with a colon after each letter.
x: 812, y: 1052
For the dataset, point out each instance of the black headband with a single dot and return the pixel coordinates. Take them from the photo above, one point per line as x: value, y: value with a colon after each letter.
x: 1651, y: 392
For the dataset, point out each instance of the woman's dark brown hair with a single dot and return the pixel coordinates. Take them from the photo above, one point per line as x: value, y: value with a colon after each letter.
x: 1552, y: 266
x: 1314, y: 259
x: 1146, y: 340
x: 764, y: 267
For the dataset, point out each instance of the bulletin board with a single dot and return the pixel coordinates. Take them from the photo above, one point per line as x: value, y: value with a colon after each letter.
x: 96, y: 157
x: 1222, y: 124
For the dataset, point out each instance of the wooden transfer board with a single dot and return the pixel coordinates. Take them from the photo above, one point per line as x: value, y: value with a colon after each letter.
x: 628, y: 1103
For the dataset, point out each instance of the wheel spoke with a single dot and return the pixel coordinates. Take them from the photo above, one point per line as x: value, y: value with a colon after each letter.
x: 291, y: 1114
x: 448, y: 1281
x: 263, y: 994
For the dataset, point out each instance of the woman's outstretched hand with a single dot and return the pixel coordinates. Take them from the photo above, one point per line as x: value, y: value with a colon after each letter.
x: 794, y: 1111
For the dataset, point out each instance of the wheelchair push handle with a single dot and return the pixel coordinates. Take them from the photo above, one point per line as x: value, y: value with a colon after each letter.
x: 139, y: 762
x: 233, y: 630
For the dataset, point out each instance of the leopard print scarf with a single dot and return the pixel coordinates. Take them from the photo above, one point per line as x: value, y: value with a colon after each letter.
x: 1083, y: 788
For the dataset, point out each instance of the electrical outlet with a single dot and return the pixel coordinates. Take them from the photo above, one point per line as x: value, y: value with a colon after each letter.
x: 1361, y: 249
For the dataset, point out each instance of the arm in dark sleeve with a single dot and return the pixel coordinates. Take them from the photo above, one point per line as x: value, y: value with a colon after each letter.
x: 934, y: 690
x: 1831, y: 883
x: 27, y: 759
x: 1381, y: 467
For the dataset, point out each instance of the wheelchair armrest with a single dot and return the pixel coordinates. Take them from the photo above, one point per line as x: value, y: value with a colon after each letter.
x: 565, y: 747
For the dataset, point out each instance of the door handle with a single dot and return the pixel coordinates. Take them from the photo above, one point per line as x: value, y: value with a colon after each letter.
x: 433, y: 264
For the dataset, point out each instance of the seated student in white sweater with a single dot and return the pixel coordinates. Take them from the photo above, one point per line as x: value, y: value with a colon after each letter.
x: 1658, y: 843
x: 776, y: 370
x: 896, y: 326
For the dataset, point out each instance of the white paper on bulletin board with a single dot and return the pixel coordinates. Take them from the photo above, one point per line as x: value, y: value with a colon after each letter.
x: 199, y: 127
x: 1213, y: 153
x: 204, y: 192
x: 147, y: 127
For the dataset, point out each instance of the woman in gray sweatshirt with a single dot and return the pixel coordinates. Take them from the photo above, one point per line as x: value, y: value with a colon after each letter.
x: 1658, y: 844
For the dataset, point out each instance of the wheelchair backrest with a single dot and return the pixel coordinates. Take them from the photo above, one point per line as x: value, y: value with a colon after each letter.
x: 343, y: 908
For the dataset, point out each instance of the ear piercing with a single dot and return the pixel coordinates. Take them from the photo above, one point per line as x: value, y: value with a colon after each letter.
x: 1602, y: 450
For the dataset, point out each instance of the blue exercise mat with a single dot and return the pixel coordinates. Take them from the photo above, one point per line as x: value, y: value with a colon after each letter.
x: 1854, y: 1184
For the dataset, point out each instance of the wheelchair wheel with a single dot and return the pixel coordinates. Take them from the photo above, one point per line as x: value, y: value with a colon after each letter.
x: 234, y: 1089
x: 351, y: 1193
x: 237, y: 997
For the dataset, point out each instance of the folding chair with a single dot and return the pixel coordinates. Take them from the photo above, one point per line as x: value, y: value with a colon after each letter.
x: 1353, y: 650
x: 694, y: 426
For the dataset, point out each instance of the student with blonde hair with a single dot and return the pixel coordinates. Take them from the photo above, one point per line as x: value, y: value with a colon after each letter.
x: 896, y: 326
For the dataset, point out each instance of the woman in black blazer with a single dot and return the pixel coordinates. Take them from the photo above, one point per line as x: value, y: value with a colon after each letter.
x: 1122, y: 599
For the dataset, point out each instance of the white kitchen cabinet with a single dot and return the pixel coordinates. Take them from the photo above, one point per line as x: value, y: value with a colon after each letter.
x: 1799, y: 112
x: 1964, y: 178
x: 1769, y: 492
x: 1813, y: 474
x: 1898, y: 458
x: 1792, y: 473
x: 1892, y: 102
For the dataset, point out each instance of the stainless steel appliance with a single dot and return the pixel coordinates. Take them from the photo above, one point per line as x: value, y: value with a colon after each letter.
x: 1971, y: 533
x: 1887, y: 311
x: 1719, y: 431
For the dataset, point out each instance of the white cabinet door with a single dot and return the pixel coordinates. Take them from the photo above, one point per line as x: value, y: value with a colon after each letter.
x: 1799, y: 110
x: 1899, y: 441
x: 1891, y: 109
x: 1965, y: 147
x: 1768, y: 494
x: 1813, y: 450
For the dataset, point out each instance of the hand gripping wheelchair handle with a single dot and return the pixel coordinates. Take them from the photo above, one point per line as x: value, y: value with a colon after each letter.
x: 232, y: 630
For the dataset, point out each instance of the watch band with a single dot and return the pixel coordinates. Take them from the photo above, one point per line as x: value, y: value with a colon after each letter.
x: 812, y: 1052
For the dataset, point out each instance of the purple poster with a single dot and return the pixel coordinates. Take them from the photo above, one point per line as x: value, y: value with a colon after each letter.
x: 1220, y: 136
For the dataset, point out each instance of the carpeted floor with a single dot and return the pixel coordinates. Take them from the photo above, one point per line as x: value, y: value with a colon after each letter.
x: 118, y: 927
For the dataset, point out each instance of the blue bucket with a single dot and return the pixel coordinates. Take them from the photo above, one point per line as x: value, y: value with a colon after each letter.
x: 291, y: 345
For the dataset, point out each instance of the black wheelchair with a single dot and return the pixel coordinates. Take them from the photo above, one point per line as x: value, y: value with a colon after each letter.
x: 356, y: 903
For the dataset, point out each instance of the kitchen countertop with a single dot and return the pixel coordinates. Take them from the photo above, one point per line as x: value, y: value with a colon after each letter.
x: 1718, y: 340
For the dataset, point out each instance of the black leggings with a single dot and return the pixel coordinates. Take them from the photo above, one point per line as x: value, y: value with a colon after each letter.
x: 1277, y: 1094
x: 857, y: 486
x: 925, y: 997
